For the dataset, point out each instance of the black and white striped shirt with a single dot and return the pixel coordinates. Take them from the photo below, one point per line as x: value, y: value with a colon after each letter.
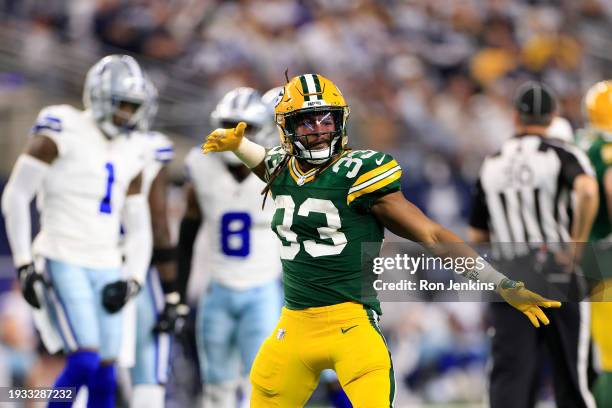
x: 523, y: 194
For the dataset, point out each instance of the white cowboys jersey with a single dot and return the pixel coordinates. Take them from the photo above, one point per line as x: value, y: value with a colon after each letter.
x: 82, y: 196
x: 244, y: 250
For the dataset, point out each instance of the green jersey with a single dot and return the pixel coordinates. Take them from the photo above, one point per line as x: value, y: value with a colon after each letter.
x: 322, y: 221
x: 600, y: 154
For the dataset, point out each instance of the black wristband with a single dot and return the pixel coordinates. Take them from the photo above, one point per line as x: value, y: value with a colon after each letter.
x: 189, y: 231
x: 163, y: 255
x: 169, y: 286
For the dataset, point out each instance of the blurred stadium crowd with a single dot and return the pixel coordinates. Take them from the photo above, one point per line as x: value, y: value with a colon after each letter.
x: 429, y: 81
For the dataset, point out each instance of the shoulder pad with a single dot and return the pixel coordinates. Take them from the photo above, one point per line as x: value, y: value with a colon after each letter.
x: 373, y: 173
x: 162, y: 146
x: 53, y: 119
x: 358, y: 164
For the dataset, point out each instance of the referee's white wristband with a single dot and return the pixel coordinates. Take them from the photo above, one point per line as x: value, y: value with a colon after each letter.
x: 487, y: 274
x: 250, y: 153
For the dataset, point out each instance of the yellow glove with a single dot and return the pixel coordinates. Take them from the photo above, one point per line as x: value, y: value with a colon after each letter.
x: 526, y: 301
x: 224, y: 140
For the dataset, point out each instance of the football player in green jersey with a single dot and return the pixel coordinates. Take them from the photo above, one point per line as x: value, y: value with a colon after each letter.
x: 329, y: 201
x: 598, y: 109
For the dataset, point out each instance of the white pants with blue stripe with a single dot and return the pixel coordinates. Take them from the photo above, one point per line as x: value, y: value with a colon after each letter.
x: 77, y: 310
x: 231, y: 326
x: 152, y: 349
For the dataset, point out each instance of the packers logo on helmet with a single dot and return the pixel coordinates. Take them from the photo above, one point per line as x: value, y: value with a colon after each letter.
x: 307, y: 95
x: 598, y: 105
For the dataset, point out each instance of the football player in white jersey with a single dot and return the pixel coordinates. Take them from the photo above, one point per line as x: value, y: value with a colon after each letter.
x: 244, y: 296
x: 86, y: 173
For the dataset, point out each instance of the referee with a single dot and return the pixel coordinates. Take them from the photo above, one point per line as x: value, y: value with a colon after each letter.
x: 536, y: 193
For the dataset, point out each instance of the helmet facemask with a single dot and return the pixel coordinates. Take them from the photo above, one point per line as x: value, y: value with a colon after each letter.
x: 315, y: 147
x: 128, y: 114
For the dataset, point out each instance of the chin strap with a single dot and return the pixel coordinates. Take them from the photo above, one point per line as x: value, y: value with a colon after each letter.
x: 108, y: 129
x: 330, y: 149
x: 326, y: 164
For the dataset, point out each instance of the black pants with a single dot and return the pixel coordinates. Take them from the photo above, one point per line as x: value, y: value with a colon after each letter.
x: 518, y: 348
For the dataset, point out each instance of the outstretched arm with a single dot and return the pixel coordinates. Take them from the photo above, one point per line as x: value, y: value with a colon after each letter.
x: 404, y: 219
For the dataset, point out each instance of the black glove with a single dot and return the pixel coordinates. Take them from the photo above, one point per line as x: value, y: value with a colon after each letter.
x: 27, y: 279
x: 172, y: 318
x: 115, y: 295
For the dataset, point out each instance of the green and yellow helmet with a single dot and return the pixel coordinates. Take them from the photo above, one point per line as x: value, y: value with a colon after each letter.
x: 306, y: 94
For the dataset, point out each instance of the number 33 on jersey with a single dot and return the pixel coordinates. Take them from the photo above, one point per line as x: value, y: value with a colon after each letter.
x: 322, y: 222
